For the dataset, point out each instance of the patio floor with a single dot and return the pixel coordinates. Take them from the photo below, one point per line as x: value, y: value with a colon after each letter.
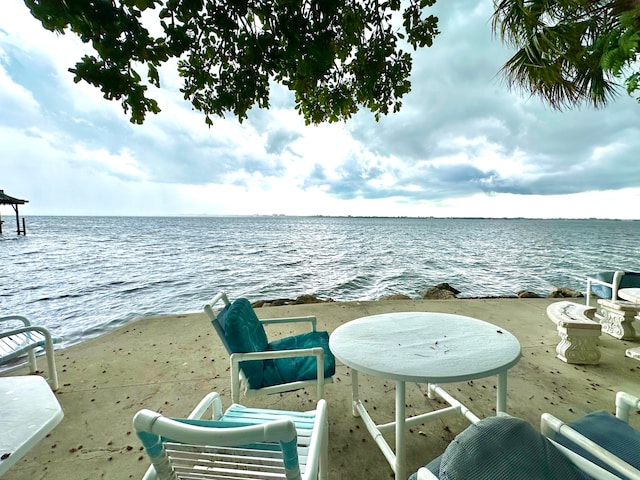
x: 169, y: 363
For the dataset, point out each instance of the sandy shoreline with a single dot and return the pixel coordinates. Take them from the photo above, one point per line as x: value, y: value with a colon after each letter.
x: 169, y: 362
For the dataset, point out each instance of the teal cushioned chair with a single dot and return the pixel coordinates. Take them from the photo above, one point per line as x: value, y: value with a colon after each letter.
x: 604, y: 439
x: 606, y: 284
x: 507, y: 448
x: 282, y: 365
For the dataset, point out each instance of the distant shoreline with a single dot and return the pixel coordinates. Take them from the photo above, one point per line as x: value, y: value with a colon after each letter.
x: 272, y: 216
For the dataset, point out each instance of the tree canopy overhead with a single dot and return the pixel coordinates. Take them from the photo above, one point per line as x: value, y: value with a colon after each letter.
x: 335, y: 55
x: 571, y: 52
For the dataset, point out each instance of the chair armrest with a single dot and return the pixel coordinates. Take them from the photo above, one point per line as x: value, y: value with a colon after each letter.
x: 318, y: 437
x: 625, y: 402
x: 550, y: 424
x: 425, y: 474
x: 271, y: 354
x: 274, y: 321
x: 211, y: 400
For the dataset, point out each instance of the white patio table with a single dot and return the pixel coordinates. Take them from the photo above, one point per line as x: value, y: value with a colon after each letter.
x: 421, y: 347
x: 29, y: 410
x: 630, y: 294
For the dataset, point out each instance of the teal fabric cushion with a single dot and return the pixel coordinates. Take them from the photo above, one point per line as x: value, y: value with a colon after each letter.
x: 630, y: 280
x: 284, y: 370
x: 609, y: 432
x: 505, y: 448
x: 244, y: 333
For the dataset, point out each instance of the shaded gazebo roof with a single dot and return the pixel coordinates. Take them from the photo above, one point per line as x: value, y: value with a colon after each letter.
x: 14, y: 202
x: 8, y: 200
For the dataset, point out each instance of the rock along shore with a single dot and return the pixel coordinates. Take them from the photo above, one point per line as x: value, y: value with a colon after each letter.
x: 442, y: 291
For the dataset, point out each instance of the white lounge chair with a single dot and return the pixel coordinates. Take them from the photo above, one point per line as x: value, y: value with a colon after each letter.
x: 21, y: 339
x: 241, y: 443
x: 283, y: 365
x: 601, y: 437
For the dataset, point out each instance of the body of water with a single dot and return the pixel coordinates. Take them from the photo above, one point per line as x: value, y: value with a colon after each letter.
x: 82, y: 276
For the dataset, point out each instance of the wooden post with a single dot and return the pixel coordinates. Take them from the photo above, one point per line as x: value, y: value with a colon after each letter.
x: 24, y: 227
x: 17, y: 220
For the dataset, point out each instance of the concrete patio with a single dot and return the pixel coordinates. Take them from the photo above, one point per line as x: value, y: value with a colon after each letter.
x: 169, y: 363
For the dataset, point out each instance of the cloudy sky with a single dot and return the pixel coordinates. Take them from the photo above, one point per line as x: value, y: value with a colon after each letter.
x: 461, y: 146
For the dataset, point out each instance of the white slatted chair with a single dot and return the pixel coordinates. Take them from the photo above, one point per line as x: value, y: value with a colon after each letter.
x: 305, y: 359
x: 22, y: 339
x: 241, y: 443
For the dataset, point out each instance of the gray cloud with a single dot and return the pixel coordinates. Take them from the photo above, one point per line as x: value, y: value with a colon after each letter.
x: 280, y: 139
x: 441, y: 145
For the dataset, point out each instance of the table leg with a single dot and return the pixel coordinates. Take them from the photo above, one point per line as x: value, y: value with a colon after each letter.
x: 431, y: 393
x: 501, y: 401
x: 355, y: 397
x: 400, y: 430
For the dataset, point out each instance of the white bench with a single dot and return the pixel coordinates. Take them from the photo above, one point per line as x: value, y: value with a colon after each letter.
x: 617, y: 317
x: 578, y: 332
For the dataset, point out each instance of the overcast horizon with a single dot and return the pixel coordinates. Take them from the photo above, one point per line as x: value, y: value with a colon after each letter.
x: 11, y: 216
x: 462, y: 146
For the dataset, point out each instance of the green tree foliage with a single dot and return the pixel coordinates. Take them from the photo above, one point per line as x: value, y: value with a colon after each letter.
x: 571, y: 52
x: 335, y: 55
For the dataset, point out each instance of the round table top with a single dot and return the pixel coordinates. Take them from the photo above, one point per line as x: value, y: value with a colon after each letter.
x: 425, y: 347
x: 631, y: 294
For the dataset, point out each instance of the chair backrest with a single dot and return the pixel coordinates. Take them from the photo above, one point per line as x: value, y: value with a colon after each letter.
x: 630, y: 280
x: 218, y: 319
x: 191, y: 448
x: 613, y: 281
x: 240, y: 331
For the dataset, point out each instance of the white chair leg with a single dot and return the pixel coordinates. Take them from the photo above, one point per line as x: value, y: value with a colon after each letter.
x: 33, y: 364
x: 235, y: 381
x: 51, y: 362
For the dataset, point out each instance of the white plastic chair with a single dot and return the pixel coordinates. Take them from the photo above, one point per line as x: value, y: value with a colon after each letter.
x: 601, y: 437
x: 238, y: 377
x: 508, y: 447
x: 22, y: 338
x: 610, y: 283
x: 242, y: 443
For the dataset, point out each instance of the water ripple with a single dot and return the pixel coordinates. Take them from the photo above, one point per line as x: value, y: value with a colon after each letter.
x: 86, y: 275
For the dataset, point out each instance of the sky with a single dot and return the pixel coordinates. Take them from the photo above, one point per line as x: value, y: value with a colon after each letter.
x: 463, y: 145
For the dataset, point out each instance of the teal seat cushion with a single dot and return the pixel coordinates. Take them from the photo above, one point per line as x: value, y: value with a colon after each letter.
x: 611, y: 433
x: 285, y: 370
x: 244, y: 333
x: 504, y: 448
